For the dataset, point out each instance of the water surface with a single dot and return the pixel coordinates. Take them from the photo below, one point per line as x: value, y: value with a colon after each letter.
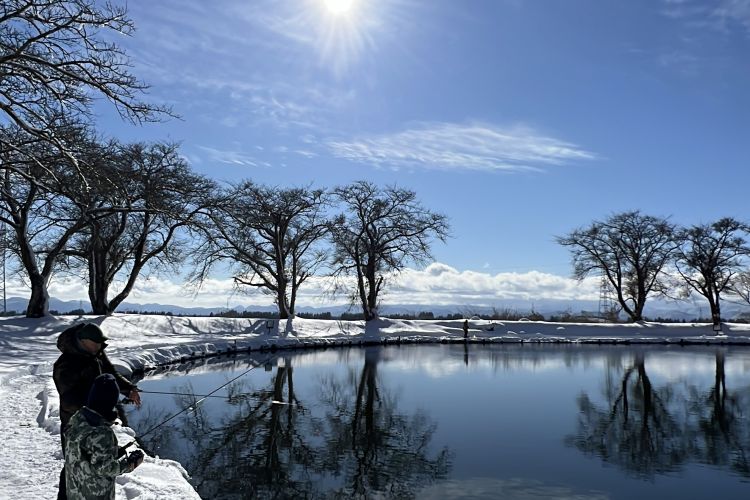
x: 448, y: 421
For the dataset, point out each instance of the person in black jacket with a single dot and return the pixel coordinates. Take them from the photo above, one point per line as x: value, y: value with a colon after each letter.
x: 82, y: 360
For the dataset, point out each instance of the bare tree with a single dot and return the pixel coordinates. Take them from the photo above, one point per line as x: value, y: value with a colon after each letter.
x: 32, y: 204
x: 630, y: 250
x: 145, y: 196
x: 741, y: 287
x: 269, y: 237
x: 381, y: 230
x: 55, y: 59
x: 710, y: 257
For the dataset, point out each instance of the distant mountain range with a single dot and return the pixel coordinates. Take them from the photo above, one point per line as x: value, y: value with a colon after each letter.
x: 655, y: 308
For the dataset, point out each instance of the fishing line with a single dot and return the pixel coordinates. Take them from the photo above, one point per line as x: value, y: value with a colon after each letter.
x: 194, y: 395
x: 193, y: 406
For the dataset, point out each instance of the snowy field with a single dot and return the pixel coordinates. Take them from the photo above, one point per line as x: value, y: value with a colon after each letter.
x: 31, y: 458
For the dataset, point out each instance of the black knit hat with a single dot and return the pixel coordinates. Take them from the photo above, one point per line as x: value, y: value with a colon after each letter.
x: 92, y: 332
x: 103, y: 396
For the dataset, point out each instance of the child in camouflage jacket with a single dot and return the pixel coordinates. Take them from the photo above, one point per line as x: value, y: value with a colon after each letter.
x: 91, y: 455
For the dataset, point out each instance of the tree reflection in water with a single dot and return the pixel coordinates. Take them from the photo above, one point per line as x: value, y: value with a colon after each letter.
x: 270, y: 445
x: 722, y: 423
x: 649, y: 430
x: 371, y: 445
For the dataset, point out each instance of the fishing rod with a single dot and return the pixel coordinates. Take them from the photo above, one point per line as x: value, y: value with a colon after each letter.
x: 194, y: 406
x: 196, y: 395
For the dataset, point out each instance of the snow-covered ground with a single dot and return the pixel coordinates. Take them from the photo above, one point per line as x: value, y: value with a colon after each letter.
x: 29, y: 421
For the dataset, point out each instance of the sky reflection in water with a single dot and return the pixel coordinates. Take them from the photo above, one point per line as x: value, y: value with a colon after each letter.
x: 442, y: 421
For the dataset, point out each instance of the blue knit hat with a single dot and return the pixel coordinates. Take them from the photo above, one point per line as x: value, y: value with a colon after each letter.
x: 103, y: 396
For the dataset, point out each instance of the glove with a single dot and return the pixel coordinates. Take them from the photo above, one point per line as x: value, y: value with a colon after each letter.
x: 135, y: 459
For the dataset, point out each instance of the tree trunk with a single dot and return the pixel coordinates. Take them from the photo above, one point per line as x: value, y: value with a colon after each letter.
x: 624, y: 303
x: 113, y: 304
x: 363, y: 294
x: 372, y: 302
x: 98, y: 283
x: 372, y: 293
x: 281, y: 301
x: 38, y: 305
x: 293, y: 297
x: 713, y: 302
x: 639, y: 305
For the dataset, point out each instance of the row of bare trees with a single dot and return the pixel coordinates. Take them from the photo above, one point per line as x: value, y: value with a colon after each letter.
x: 63, y: 191
x: 130, y: 208
x: 641, y: 255
x: 118, y: 212
x: 275, y: 239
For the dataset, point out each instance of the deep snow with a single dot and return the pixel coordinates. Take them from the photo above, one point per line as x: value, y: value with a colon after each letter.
x: 29, y: 423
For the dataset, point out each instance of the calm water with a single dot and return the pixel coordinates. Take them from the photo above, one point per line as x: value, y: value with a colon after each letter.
x: 442, y: 421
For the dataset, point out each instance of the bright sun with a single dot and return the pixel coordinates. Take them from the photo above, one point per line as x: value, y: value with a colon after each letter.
x: 338, y: 7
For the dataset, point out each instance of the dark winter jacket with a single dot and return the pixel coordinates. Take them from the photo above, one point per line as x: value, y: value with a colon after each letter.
x: 75, y: 371
x: 91, y: 461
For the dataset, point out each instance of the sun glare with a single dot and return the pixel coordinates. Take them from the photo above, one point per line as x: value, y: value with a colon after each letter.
x: 339, y: 7
x: 343, y: 30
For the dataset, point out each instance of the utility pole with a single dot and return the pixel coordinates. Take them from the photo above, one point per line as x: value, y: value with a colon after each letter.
x: 4, y: 244
x: 607, y: 305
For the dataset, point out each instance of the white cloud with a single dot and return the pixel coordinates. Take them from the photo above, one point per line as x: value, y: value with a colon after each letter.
x: 451, y: 146
x: 441, y: 284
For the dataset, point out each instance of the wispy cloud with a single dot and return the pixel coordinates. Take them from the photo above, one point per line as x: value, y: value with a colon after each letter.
x: 230, y: 157
x: 681, y: 60
x: 722, y: 14
x: 734, y: 11
x: 697, y: 49
x: 450, y: 146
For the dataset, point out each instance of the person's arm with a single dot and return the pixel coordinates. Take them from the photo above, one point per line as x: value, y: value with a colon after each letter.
x: 104, y: 461
x: 127, y: 388
x: 124, y: 384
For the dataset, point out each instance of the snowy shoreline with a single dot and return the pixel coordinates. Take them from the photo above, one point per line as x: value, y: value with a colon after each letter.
x: 29, y: 417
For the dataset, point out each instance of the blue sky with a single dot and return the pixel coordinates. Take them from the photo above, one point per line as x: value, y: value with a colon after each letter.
x: 520, y: 120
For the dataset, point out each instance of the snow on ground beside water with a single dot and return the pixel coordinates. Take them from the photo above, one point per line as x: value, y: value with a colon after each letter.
x: 29, y: 418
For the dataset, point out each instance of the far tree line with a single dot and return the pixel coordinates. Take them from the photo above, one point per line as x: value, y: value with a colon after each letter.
x: 640, y: 255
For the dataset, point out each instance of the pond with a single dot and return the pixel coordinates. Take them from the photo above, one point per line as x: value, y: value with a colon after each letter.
x: 454, y: 421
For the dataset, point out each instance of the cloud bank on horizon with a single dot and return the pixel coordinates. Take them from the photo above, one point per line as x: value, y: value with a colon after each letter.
x: 437, y: 284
